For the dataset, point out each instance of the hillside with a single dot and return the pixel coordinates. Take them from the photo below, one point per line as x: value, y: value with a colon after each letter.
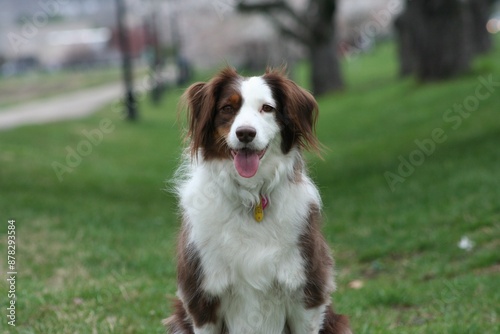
x: 409, y: 171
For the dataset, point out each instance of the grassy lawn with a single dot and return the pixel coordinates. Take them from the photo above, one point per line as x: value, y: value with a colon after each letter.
x: 95, y: 250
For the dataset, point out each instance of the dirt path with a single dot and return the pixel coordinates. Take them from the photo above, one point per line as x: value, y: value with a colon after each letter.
x: 68, y: 106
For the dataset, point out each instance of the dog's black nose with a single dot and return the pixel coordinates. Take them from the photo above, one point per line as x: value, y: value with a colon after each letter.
x: 246, y: 134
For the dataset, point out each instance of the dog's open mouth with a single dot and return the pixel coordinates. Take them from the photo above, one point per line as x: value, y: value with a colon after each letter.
x: 246, y: 161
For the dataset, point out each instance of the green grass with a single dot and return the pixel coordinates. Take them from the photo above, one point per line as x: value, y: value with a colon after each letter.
x: 95, y: 252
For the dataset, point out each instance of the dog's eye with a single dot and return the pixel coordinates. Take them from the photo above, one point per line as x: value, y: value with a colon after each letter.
x: 267, y: 108
x: 227, y: 109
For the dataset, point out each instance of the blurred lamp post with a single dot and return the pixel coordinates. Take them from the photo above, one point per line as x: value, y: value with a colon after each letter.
x: 124, y: 43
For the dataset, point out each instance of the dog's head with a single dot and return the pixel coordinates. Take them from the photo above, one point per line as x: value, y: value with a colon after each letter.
x: 246, y: 119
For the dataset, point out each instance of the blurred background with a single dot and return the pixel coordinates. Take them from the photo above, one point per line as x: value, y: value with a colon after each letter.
x: 172, y: 39
x: 409, y: 96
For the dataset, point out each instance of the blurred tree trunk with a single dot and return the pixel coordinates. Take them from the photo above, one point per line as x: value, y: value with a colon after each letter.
x: 480, y: 38
x: 403, y: 39
x: 325, y: 68
x: 314, y: 29
x: 432, y: 39
x: 322, y: 47
x: 437, y: 39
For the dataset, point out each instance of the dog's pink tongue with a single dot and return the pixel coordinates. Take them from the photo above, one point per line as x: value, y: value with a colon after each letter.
x: 246, y: 162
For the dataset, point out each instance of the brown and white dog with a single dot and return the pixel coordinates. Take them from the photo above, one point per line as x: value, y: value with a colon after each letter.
x: 251, y: 257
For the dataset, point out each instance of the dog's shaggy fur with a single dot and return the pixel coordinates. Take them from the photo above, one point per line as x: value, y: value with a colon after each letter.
x: 251, y: 257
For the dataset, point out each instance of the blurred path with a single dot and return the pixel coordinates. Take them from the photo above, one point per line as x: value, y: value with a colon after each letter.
x: 67, y: 106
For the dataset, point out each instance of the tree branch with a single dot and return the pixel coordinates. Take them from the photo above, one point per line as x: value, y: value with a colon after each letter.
x: 268, y: 6
x: 290, y: 33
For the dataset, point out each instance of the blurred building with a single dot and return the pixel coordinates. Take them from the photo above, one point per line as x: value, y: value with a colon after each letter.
x: 69, y: 33
x: 208, y: 33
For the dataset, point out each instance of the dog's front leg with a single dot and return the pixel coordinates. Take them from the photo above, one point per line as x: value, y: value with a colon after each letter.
x: 208, y: 329
x: 304, y: 320
x: 201, y: 307
x: 204, y: 313
x: 194, y: 317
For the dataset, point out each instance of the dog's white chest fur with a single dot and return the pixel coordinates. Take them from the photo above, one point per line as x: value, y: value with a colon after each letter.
x: 255, y: 267
x: 235, y: 247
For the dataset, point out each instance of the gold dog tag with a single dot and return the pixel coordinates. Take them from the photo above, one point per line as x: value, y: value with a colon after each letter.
x: 258, y: 212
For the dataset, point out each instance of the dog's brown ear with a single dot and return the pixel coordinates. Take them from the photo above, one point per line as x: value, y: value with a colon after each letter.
x: 200, y: 100
x: 199, y: 104
x: 302, y: 110
x: 297, y: 112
